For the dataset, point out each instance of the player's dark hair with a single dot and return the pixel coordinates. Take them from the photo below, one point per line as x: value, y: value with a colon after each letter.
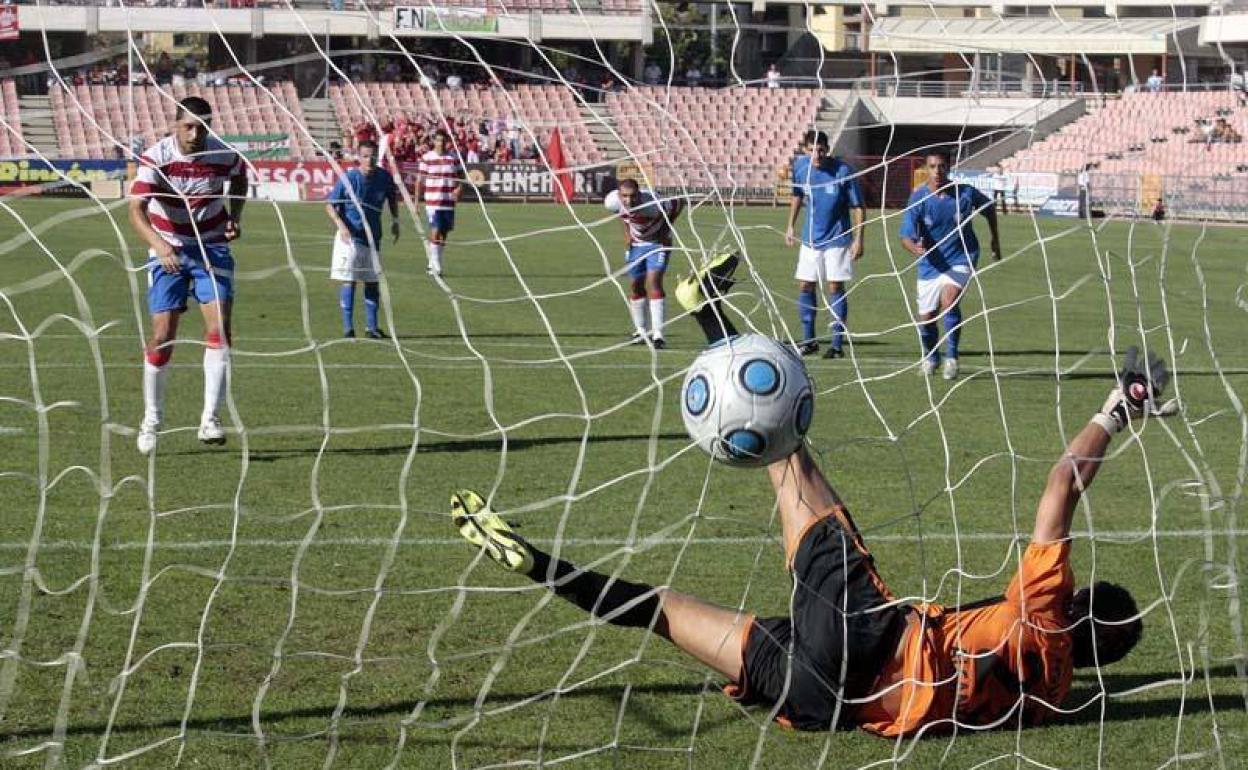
x: 442, y: 132
x: 195, y: 105
x: 1111, y: 609
x: 818, y: 138
x: 366, y: 143
x: 630, y: 184
x: 940, y: 152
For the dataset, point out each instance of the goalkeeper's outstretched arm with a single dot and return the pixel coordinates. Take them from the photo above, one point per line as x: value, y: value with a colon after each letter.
x: 1068, y: 478
x: 1138, y: 387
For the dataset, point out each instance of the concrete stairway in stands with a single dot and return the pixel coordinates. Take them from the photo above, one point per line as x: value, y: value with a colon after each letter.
x: 600, y: 123
x: 37, y: 125
x: 322, y: 122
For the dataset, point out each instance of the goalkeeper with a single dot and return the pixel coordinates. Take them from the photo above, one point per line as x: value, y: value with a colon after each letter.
x: 852, y: 654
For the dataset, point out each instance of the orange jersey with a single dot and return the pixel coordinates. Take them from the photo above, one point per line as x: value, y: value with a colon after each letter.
x: 978, y: 665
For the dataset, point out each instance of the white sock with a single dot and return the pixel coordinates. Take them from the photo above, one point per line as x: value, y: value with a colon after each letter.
x: 637, y: 308
x: 216, y: 366
x: 154, y: 378
x: 658, y: 318
x: 435, y: 257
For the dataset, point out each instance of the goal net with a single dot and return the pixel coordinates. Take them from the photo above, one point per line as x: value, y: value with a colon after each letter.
x: 299, y: 596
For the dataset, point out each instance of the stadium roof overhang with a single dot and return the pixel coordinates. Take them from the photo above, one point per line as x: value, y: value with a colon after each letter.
x: 1224, y: 29
x: 1039, y: 36
x: 259, y: 22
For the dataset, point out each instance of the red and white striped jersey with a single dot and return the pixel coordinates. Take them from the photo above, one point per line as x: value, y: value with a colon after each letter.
x: 187, y: 194
x: 441, y: 174
x: 648, y: 221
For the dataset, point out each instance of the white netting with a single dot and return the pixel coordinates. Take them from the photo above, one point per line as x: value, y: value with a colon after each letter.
x: 300, y: 597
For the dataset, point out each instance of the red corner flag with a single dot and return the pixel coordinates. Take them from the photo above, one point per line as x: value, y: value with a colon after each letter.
x: 563, y: 188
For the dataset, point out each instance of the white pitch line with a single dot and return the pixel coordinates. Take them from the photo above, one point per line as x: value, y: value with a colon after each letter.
x: 440, y: 542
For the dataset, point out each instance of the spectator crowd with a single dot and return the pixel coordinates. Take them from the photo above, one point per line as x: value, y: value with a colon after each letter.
x: 407, y: 136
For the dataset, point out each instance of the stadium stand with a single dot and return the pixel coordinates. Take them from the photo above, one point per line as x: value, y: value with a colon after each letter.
x: 1164, y: 133
x: 702, y: 138
x: 239, y: 110
x: 540, y: 108
x: 11, y: 145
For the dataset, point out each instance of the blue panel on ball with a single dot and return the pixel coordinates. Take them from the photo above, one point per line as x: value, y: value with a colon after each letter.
x: 697, y: 396
x: 805, y: 411
x: 744, y: 444
x: 760, y: 377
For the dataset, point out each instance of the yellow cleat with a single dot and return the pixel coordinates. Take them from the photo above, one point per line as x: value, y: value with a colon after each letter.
x: 715, y: 273
x: 489, y: 532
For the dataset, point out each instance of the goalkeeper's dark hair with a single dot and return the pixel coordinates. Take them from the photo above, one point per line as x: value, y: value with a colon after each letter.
x: 940, y: 152
x: 1106, y: 624
x: 366, y: 143
x: 195, y: 105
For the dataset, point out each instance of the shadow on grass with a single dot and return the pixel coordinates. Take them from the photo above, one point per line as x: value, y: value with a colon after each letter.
x: 609, y: 695
x: 1143, y: 706
x: 449, y: 447
x: 512, y: 335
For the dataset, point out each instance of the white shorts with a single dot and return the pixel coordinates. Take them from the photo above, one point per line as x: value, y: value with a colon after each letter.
x: 830, y: 264
x: 354, y: 262
x: 929, y: 289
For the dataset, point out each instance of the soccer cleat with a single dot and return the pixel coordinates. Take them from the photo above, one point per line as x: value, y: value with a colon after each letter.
x: 928, y: 368
x: 489, y: 532
x: 210, y: 430
x: 658, y: 342
x: 807, y: 348
x: 146, y: 442
x: 376, y: 334
x: 833, y: 353
x: 638, y: 338
x: 713, y: 276
x: 951, y: 369
x: 349, y: 334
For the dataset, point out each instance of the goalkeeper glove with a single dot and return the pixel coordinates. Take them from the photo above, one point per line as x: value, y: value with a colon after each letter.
x: 1139, y: 386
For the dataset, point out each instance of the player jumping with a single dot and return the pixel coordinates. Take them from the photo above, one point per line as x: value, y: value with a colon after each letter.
x: 648, y: 237
x: 354, y: 206
x: 851, y: 654
x: 936, y: 228
x: 832, y: 234
x: 438, y: 183
x: 178, y: 209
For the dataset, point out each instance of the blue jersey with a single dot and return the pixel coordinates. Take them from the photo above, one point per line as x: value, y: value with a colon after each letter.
x: 829, y: 191
x: 941, y: 222
x: 355, y: 190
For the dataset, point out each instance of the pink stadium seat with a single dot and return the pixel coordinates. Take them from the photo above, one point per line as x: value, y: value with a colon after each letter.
x: 1146, y: 132
x: 240, y: 109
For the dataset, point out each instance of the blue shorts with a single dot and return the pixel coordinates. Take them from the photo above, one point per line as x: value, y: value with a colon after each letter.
x: 442, y: 220
x: 646, y: 258
x: 168, y: 291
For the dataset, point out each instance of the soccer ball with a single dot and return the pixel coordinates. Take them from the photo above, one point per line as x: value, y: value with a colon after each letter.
x: 747, y: 401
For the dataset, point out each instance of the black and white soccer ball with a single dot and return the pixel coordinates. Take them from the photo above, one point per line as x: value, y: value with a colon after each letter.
x: 747, y: 401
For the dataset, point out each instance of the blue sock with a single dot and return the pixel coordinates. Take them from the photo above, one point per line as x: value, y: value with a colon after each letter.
x: 372, y: 296
x: 840, y: 314
x: 806, y: 313
x: 346, y: 301
x: 953, y: 330
x: 929, y: 333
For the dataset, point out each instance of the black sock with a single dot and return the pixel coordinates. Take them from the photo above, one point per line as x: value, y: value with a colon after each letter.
x: 596, y: 593
x: 715, y: 324
x: 711, y: 317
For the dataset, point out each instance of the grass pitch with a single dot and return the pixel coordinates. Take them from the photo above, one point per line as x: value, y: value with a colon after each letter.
x: 298, y: 598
